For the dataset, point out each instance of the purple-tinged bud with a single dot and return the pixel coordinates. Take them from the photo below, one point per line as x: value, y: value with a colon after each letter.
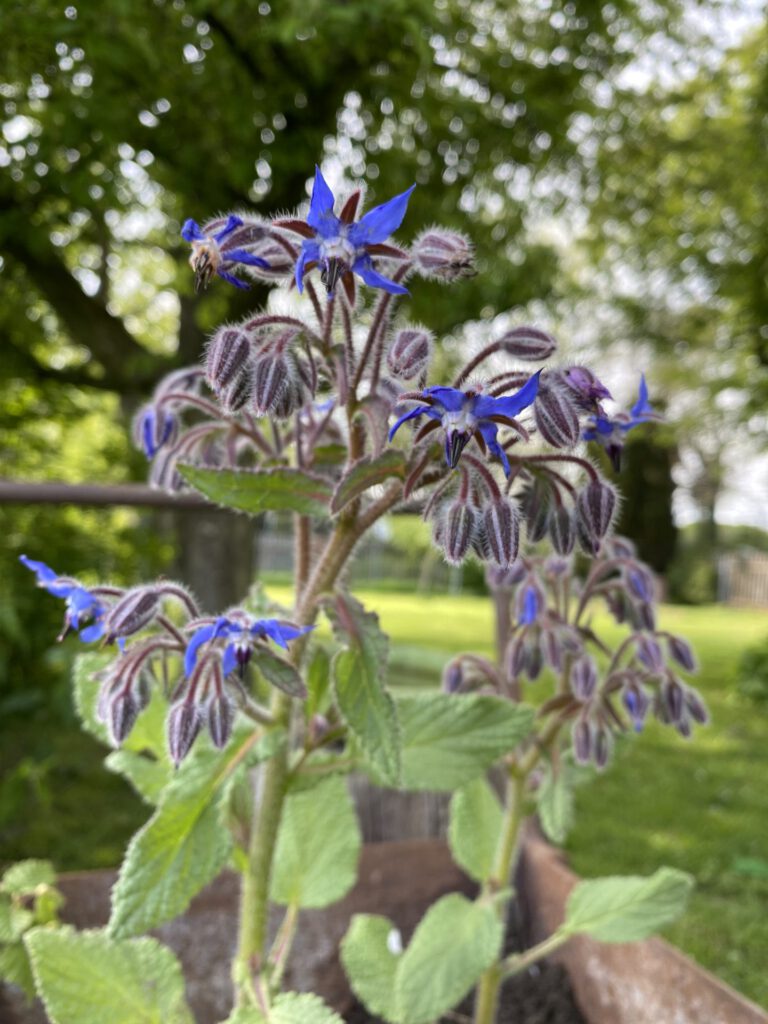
x: 153, y: 428
x: 505, y: 579
x: 530, y: 603
x: 236, y: 395
x: 453, y: 677
x: 637, y: 703
x: 621, y: 547
x: 409, y: 354
x: 603, y: 746
x: 534, y: 660
x: 220, y: 717
x: 552, y: 648
x: 642, y: 615
x: 582, y: 739
x: 585, y: 385
x: 673, y: 696
x: 639, y: 581
x: 458, y: 529
x: 143, y: 690
x: 502, y: 530
x: 318, y: 729
x: 649, y: 653
x: 696, y: 706
x: 135, y: 610
x: 227, y: 357
x: 183, y: 725
x: 289, y: 400
x: 271, y: 375
x: 555, y: 415
x: 682, y: 652
x: 583, y: 678
x: 443, y: 255
x: 588, y: 542
x: 535, y: 502
x: 528, y: 343
x: 684, y: 727
x: 596, y: 504
x: 515, y: 657
x: 122, y: 712
x: 556, y: 567
x: 562, y: 530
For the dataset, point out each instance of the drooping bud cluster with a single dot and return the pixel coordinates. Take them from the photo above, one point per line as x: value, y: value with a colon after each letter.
x: 443, y: 255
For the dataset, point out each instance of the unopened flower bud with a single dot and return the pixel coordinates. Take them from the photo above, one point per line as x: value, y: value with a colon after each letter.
x: 696, y: 706
x: 153, y: 428
x: 271, y: 374
x: 408, y: 355
x: 135, y: 610
x: 227, y: 357
x: 596, y: 505
x: 504, y: 579
x: 535, y: 502
x: 453, y: 677
x: 289, y: 399
x: 515, y: 656
x: 621, y: 547
x: 458, y: 528
x: 673, y: 696
x: 589, y: 543
x: 583, y: 678
x: 183, y: 725
x: 220, y: 716
x: 502, y: 530
x: 682, y: 652
x: 552, y: 648
x: 649, y: 653
x: 585, y: 386
x: 236, y: 395
x: 640, y: 581
x: 636, y: 702
x: 318, y: 728
x: 443, y: 255
x: 534, y: 660
x: 603, y: 745
x: 562, y: 530
x: 528, y: 343
x: 642, y: 615
x: 529, y: 602
x: 122, y: 711
x: 582, y: 740
x: 555, y: 414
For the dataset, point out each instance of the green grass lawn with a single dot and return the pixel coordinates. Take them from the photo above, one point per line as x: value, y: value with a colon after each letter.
x: 700, y: 805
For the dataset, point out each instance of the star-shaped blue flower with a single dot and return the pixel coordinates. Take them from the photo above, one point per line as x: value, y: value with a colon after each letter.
x: 219, y: 251
x: 242, y: 632
x: 81, y: 605
x: 467, y: 414
x: 341, y: 246
x: 610, y: 431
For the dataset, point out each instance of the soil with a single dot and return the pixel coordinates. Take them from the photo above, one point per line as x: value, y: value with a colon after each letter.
x: 541, y: 995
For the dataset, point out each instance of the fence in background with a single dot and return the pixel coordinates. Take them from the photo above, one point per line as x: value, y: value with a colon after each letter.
x: 742, y: 579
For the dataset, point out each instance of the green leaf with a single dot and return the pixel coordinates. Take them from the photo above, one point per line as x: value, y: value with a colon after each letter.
x: 555, y: 802
x: 448, y: 740
x: 358, y: 675
x: 86, y: 978
x: 267, y: 490
x: 7, y: 930
x: 16, y: 969
x: 318, y: 681
x: 147, y: 776
x: 367, y: 472
x: 86, y: 690
x: 454, y: 943
x: 184, y: 845
x: 625, y: 909
x: 475, y: 827
x: 23, y: 878
x: 369, y: 962
x: 318, y: 847
x: 289, y: 1008
x: 279, y: 672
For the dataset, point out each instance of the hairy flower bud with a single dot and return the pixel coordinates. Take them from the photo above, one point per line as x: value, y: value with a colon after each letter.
x: 502, y: 530
x: 696, y: 706
x: 122, y: 711
x: 583, y: 678
x: 528, y: 343
x: 636, y: 702
x: 530, y: 602
x: 153, y: 428
x: 515, y: 656
x: 639, y: 581
x: 562, y: 530
x: 236, y: 394
x: 135, y: 610
x: 582, y: 738
x: 535, y: 502
x: 552, y: 648
x: 649, y: 653
x: 409, y: 354
x: 453, y: 676
x: 587, y: 389
x: 596, y: 505
x: 443, y: 255
x: 227, y: 357
x: 271, y: 374
x: 183, y: 725
x: 555, y: 414
x: 673, y: 696
x: 220, y: 716
x: 589, y: 544
x: 603, y: 745
x: 681, y: 651
x: 458, y: 530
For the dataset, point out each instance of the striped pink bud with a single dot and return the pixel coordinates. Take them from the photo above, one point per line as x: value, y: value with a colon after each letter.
x: 458, y: 531
x: 562, y: 530
x: 135, y: 610
x: 220, y: 716
x: 443, y: 255
x: 528, y: 343
x: 501, y: 526
x: 227, y: 357
x: 183, y: 725
x: 596, y: 505
x: 409, y: 354
x: 555, y: 415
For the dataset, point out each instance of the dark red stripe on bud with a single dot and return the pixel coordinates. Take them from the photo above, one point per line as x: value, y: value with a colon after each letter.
x: 409, y: 354
x: 583, y: 678
x: 443, y: 255
x: 236, y: 395
x: 227, y: 358
x: 528, y: 343
x: 596, y: 505
x: 220, y: 716
x: 183, y: 725
x: 271, y: 375
x: 501, y: 525
x: 535, y: 502
x: 135, y: 610
x: 122, y: 712
x: 555, y: 415
x: 562, y: 530
x: 457, y: 532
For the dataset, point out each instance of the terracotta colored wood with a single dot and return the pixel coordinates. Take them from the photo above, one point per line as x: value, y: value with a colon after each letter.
x: 647, y: 982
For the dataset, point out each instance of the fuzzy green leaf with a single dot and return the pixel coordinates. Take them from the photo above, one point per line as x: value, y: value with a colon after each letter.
x: 358, y: 675
x: 367, y: 472
x: 15, y: 968
x: 318, y: 681
x: 318, y: 846
x: 449, y: 740
x: 24, y: 877
x: 266, y: 490
x: 86, y: 978
x: 627, y: 908
x: 147, y: 776
x: 289, y: 1008
x: 369, y: 962
x: 475, y: 826
x: 555, y: 803
x: 279, y: 672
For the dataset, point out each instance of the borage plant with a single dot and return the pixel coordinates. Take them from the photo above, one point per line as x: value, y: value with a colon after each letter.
x: 238, y: 728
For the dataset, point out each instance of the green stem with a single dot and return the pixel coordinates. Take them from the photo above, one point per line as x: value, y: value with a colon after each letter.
x: 519, y: 962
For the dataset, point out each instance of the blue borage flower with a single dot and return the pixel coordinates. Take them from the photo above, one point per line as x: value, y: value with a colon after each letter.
x: 609, y: 432
x: 467, y: 414
x: 81, y: 605
x: 340, y: 246
x: 242, y: 633
x: 219, y: 251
